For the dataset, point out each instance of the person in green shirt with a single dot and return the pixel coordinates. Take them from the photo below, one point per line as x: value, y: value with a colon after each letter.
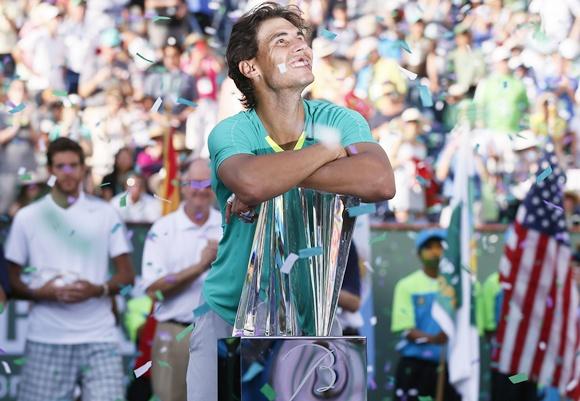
x: 422, y: 337
x: 267, y: 150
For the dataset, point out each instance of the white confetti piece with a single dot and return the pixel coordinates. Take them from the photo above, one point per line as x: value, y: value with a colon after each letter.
x: 21, y: 170
x: 289, y: 263
x: 368, y: 266
x: 156, y: 105
x: 161, y: 199
x: 421, y: 340
x: 373, y: 321
x: 6, y: 367
x: 282, y: 68
x: 410, y: 75
x: 140, y: 371
x: 51, y: 181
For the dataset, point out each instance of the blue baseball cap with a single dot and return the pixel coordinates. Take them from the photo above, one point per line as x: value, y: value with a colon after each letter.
x: 428, y: 234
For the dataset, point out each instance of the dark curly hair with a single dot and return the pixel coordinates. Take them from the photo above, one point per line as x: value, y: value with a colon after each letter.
x: 243, y: 44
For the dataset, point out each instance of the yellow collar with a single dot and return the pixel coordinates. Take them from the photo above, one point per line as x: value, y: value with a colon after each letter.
x: 277, y: 147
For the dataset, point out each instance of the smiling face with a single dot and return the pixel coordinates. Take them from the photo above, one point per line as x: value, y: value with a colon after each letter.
x: 284, y: 59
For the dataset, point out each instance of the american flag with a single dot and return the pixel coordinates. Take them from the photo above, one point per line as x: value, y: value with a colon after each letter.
x: 538, y: 331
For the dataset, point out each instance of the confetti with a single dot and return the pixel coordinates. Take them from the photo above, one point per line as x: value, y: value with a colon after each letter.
x: 328, y: 34
x: 373, y: 321
x: 426, y: 97
x: 29, y: 269
x: 159, y: 295
x: 60, y: 93
x: 18, y: 108
x: 359, y: 210
x: 146, y: 59
x: 183, y: 333
x: 156, y: 105
x: 126, y: 290
x: 19, y: 361
x: 422, y: 340
x: 519, y: 378
x: 544, y: 174
x: 123, y: 200
x: 309, y: 252
x: 1, y: 307
x: 201, y: 310
x: 289, y: 263
x: 140, y: 371
x: 380, y: 238
x: 51, y: 181
x: 161, y: 18
x: 186, y: 102
x: 282, y: 68
x: 104, y: 184
x: 160, y: 198
x: 403, y: 45
x: 164, y: 364
x: 422, y: 181
x: 116, y: 227
x: 254, y: 369
x: 410, y: 75
x: 6, y: 367
x: 553, y: 206
x: 425, y: 398
x: 268, y: 392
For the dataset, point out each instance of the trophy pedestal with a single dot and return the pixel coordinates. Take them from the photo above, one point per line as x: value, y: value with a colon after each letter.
x: 292, y: 368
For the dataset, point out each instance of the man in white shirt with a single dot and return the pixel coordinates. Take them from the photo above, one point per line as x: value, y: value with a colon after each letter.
x: 135, y: 205
x: 62, y: 244
x: 180, y: 248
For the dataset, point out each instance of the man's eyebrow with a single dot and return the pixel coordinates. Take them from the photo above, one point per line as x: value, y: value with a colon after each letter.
x: 284, y: 33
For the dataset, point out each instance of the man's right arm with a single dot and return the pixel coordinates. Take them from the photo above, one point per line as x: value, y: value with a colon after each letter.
x: 19, y: 290
x: 255, y: 179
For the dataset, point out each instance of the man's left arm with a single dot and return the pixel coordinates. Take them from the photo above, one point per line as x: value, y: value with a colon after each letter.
x: 366, y: 173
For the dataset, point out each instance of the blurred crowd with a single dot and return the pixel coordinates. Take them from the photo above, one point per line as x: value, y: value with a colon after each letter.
x: 118, y: 75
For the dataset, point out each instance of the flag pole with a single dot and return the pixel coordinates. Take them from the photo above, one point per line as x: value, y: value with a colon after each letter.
x: 441, y: 375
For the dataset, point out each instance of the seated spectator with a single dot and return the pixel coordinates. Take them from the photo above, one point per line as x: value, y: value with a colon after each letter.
x: 114, y: 183
x: 135, y: 205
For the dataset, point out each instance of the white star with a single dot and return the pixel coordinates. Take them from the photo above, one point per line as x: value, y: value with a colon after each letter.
x: 531, y: 218
x: 546, y: 194
x: 545, y: 223
x: 540, y: 212
x: 561, y: 223
x: 535, y: 200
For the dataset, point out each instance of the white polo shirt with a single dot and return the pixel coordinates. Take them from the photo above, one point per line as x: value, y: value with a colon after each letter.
x: 173, y: 244
x: 75, y: 243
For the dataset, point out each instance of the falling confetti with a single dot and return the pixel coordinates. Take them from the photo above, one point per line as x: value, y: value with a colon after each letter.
x: 19, y: 361
x: 123, y: 200
x: 6, y: 367
x: 158, y: 18
x: 380, y: 238
x: 201, y: 310
x: 410, y: 75
x: 126, y: 290
x: 29, y: 270
x: 328, y: 34
x: 60, y: 93
x: 268, y: 392
x: 544, y: 174
x: 366, y: 208
x: 183, y: 333
x: 164, y: 364
x: 254, y: 369
x: 161, y: 199
x: 159, y: 295
x: 425, y: 398
x: 519, y: 378
x: 309, y: 252
x: 146, y: 59
x: 422, y: 181
x: 116, y: 227
x: 289, y: 263
x: 426, y: 97
x: 51, y: 181
x: 140, y: 371
x: 403, y: 45
x: 282, y: 68
x: 156, y: 105
x: 186, y: 102
x: 17, y: 109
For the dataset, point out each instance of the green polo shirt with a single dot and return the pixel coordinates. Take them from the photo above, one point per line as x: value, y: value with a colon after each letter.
x: 244, y: 133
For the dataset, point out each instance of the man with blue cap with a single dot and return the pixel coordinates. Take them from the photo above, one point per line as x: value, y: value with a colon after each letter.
x: 422, y: 338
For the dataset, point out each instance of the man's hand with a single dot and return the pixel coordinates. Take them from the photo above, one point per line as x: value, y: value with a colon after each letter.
x: 237, y: 207
x: 49, y: 291
x: 79, y: 291
x: 208, y: 254
x: 440, y: 338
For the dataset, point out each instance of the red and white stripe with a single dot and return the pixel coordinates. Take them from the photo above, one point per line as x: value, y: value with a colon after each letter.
x: 538, y: 331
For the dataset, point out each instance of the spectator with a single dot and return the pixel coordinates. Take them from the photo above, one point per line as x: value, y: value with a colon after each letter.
x: 466, y: 62
x: 114, y: 183
x: 30, y: 191
x: 135, y: 205
x: 422, y: 338
x: 11, y: 18
x: 150, y: 160
x: 68, y: 238
x: 73, y: 31
x: 175, y: 279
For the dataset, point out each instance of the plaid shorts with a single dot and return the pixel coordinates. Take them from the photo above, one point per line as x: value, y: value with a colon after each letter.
x: 51, y: 372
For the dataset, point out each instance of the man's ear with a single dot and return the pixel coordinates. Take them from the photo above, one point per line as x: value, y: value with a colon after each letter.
x: 248, y: 68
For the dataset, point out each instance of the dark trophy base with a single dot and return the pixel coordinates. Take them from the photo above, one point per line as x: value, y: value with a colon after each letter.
x: 292, y: 368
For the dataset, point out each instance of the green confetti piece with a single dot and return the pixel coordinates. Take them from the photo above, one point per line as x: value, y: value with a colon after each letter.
x: 309, y: 252
x: 144, y: 58
x: 164, y: 364
x: 115, y: 227
x: 123, y: 201
x: 1, y: 307
x: 268, y: 392
x: 104, y: 184
x: 359, y: 210
x: 161, y: 18
x: 544, y: 174
x: 403, y: 45
x: 25, y: 177
x: 19, y: 361
x: 18, y: 108
x: 29, y: 269
x: 183, y: 333
x: 426, y: 97
x: 186, y: 102
x: 519, y: 378
x: 126, y: 290
x: 379, y: 238
x: 422, y: 181
x: 60, y: 93
x: 425, y: 398
x: 159, y: 295
x: 328, y: 34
